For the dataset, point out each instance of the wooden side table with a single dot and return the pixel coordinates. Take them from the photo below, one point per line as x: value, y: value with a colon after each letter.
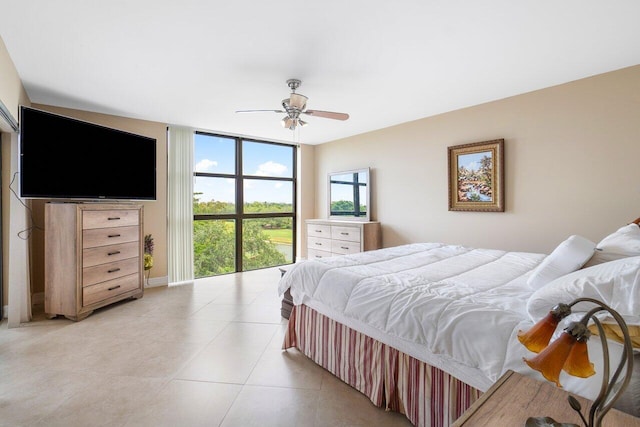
x: 516, y: 397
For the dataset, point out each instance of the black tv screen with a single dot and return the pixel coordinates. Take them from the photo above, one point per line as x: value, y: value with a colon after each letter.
x: 65, y: 158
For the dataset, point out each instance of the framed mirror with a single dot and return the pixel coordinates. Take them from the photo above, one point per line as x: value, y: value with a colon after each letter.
x: 349, y: 195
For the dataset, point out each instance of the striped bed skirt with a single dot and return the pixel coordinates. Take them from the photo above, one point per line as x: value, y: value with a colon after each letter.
x: 393, y: 380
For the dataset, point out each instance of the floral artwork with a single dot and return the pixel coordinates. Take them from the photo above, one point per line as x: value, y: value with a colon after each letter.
x: 476, y: 177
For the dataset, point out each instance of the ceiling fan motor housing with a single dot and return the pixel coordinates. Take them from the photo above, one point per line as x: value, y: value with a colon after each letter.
x: 294, y: 84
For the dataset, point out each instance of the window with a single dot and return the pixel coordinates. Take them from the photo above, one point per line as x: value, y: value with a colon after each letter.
x: 243, y: 204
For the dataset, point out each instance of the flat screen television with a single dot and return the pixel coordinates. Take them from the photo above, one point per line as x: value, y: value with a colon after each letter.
x: 66, y: 158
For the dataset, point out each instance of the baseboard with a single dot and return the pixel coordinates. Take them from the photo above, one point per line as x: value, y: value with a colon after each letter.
x: 5, y: 311
x: 183, y: 282
x: 157, y: 281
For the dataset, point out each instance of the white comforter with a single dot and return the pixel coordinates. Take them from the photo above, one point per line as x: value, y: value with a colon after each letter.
x: 453, y: 307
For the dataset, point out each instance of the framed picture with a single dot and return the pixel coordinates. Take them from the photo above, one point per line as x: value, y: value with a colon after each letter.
x: 476, y: 177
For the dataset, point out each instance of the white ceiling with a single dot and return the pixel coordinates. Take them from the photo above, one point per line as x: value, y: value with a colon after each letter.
x: 195, y: 62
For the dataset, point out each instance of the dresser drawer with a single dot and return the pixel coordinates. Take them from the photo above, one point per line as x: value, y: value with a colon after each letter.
x: 104, y: 254
x: 319, y: 230
x: 319, y: 243
x: 352, y: 234
x: 340, y: 237
x: 104, y: 290
x: 109, y: 236
x: 110, y: 218
x: 342, y: 247
x: 316, y: 254
x: 112, y: 270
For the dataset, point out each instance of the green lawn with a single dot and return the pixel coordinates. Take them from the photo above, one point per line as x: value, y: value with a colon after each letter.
x: 281, y: 235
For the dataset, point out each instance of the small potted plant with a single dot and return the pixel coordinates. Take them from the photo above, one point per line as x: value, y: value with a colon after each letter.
x: 148, y: 256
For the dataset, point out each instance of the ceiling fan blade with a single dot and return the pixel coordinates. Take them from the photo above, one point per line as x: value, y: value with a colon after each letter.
x: 327, y: 114
x: 259, y: 111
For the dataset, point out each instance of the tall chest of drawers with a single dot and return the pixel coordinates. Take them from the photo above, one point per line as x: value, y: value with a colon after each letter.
x: 93, y: 256
x: 334, y: 237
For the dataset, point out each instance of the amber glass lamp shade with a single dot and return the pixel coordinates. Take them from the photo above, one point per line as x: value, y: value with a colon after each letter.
x: 550, y: 361
x: 578, y: 364
x: 537, y: 338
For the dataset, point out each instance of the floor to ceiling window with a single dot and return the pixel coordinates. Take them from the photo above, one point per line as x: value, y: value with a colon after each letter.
x: 243, y: 204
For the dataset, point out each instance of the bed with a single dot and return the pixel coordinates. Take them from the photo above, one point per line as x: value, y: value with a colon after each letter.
x: 425, y: 328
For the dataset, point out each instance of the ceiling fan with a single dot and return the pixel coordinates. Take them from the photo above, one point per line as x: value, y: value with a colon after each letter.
x: 296, y: 105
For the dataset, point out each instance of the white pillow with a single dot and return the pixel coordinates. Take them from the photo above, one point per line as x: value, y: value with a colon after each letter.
x: 615, y: 283
x: 569, y: 256
x: 625, y: 242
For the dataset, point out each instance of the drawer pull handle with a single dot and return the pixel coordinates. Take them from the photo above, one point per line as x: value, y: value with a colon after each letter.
x: 113, y: 218
x: 113, y: 270
x: 344, y: 247
x: 113, y: 287
x: 114, y: 235
x: 318, y: 231
x: 344, y: 233
x: 113, y: 253
x: 318, y: 244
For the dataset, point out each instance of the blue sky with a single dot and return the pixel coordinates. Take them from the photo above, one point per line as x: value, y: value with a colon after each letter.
x: 217, y: 155
x: 472, y: 161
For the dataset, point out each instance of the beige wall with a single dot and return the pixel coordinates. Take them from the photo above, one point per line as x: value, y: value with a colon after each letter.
x: 155, y: 213
x: 572, y: 155
x: 6, y: 178
x: 12, y: 95
x: 305, y: 202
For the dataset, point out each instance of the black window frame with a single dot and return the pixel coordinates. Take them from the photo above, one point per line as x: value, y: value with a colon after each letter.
x: 239, y: 178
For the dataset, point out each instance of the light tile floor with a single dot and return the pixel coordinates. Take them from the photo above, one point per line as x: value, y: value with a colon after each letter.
x: 201, y: 354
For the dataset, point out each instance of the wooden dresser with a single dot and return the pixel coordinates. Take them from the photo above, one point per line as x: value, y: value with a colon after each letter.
x: 93, y: 256
x: 327, y: 237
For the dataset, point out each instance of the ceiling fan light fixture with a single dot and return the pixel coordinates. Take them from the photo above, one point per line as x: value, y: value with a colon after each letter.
x: 298, y: 101
x: 302, y: 122
x: 288, y: 123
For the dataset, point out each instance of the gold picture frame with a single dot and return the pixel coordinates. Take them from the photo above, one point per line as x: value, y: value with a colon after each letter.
x: 476, y: 176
